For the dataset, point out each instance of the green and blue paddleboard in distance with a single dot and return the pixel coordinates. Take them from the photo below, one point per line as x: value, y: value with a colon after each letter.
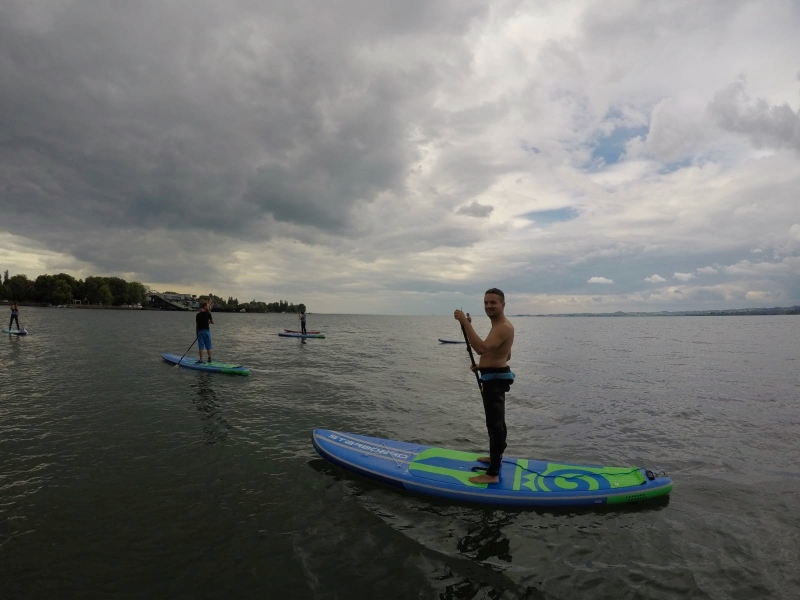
x: 452, y: 341
x: 212, y: 367
x: 523, y: 482
x: 22, y: 331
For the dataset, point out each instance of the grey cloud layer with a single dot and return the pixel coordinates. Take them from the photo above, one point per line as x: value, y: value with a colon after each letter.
x: 395, y: 145
x: 764, y: 124
x: 209, y: 118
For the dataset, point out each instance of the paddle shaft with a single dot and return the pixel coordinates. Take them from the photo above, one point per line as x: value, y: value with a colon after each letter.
x: 471, y: 357
x: 187, y: 351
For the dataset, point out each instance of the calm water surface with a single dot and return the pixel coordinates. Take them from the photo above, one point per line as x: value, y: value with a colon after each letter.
x: 123, y: 477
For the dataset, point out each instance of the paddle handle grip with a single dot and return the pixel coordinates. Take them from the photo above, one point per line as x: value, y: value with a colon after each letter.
x: 471, y: 356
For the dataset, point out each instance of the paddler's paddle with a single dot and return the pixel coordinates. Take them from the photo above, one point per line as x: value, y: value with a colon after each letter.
x: 471, y: 357
x: 187, y: 351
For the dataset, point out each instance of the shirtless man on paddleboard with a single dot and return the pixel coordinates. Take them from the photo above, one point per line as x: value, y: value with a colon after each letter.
x: 496, y: 377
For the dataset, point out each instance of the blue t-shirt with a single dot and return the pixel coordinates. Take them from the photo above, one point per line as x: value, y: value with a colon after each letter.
x: 302, y: 318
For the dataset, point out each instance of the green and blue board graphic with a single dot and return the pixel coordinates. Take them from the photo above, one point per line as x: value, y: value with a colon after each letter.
x: 523, y: 482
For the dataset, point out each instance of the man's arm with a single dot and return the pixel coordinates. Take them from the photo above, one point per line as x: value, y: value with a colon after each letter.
x: 472, y: 337
x: 496, y: 336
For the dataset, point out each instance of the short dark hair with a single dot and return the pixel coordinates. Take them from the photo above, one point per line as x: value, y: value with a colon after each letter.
x: 203, y: 304
x: 497, y: 292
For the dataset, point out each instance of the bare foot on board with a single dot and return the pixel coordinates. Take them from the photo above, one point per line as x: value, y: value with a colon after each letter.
x: 484, y: 459
x: 485, y: 479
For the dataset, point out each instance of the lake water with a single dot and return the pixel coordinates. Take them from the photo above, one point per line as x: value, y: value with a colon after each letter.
x: 123, y: 477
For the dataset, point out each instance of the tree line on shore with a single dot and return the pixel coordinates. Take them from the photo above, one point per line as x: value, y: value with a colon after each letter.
x: 233, y: 305
x: 65, y: 289
x: 113, y: 291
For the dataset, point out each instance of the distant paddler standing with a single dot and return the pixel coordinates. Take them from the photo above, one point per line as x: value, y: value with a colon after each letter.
x: 302, y: 317
x: 14, y: 315
x: 202, y: 320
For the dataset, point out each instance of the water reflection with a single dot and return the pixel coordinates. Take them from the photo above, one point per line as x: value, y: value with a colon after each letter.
x: 485, y: 540
x: 15, y: 341
x: 215, y: 426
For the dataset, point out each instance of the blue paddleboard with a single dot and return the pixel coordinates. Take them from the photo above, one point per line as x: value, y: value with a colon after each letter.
x: 319, y: 336
x: 523, y: 482
x: 212, y: 367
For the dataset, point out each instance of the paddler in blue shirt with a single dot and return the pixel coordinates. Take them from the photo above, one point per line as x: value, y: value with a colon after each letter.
x: 302, y: 317
x: 202, y: 320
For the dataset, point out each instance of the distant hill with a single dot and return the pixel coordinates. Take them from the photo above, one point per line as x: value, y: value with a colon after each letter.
x: 730, y: 312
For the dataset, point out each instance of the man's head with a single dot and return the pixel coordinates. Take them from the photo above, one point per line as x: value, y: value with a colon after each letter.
x: 203, y: 305
x: 494, y: 303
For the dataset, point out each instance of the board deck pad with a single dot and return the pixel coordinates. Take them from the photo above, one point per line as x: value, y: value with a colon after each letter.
x: 213, y: 367
x: 523, y: 482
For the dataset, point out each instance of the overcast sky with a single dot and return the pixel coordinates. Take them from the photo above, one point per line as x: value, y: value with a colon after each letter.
x: 402, y: 157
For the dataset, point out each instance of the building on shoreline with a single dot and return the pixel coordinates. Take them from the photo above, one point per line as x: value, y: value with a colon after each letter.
x: 173, y: 301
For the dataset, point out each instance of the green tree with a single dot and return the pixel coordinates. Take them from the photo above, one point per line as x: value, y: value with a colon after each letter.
x: 301, y: 308
x: 93, y: 285
x: 62, y: 294
x: 137, y: 293
x: 19, y: 288
x: 42, y: 288
x: 118, y: 288
x: 73, y: 284
x: 106, y: 297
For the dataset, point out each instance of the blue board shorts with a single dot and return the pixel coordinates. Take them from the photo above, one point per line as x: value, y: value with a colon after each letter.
x: 204, y: 339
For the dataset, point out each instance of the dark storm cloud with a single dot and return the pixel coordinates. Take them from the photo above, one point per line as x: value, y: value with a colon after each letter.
x: 222, y: 118
x: 764, y: 124
x: 476, y: 209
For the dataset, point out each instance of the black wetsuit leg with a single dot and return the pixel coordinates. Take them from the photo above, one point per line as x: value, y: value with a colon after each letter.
x: 494, y: 404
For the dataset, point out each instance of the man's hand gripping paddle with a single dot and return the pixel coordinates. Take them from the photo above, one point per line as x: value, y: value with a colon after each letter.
x: 471, y: 357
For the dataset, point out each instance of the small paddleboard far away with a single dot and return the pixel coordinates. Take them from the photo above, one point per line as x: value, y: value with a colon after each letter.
x: 22, y: 331
x: 319, y: 336
x: 523, y: 482
x: 296, y: 331
x: 212, y: 367
x: 452, y: 341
